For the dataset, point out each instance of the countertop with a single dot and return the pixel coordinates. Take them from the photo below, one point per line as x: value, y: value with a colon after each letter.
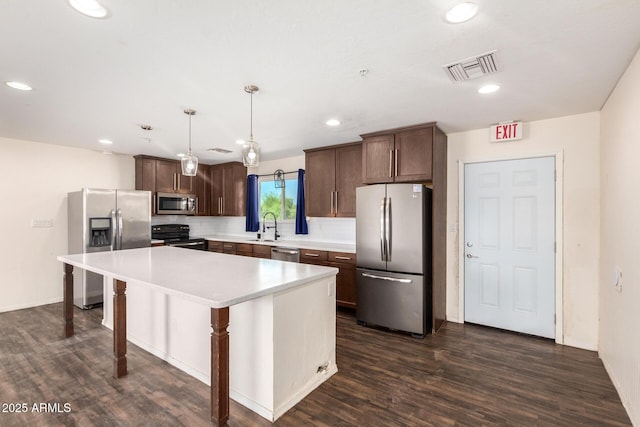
x: 217, y: 280
x: 301, y: 244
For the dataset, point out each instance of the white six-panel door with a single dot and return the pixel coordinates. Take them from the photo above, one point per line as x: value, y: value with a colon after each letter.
x: 509, y: 238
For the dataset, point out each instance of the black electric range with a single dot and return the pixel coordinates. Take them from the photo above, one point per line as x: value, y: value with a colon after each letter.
x: 177, y: 235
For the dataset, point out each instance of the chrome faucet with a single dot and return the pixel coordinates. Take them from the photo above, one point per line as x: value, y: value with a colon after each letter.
x: 275, y: 225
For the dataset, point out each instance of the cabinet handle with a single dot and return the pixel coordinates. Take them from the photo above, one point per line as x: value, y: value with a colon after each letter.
x: 345, y: 258
x: 336, y: 198
x: 311, y: 255
x: 178, y: 187
x: 196, y: 205
x: 396, y: 162
x: 390, y: 163
x: 174, y: 182
x: 153, y: 205
x: 331, y: 211
x: 219, y: 205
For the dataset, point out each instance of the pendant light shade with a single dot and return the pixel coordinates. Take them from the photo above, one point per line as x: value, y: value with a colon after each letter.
x: 251, y: 149
x: 189, y: 162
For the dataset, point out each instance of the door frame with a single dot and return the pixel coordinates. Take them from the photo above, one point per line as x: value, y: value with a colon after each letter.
x: 559, y: 266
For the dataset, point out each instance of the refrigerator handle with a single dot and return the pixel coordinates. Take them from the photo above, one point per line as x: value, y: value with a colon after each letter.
x: 387, y: 228
x: 114, y: 225
x: 119, y: 215
x: 390, y: 279
x: 383, y: 255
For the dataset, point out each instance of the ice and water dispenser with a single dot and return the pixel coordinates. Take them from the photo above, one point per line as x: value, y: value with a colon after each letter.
x: 100, y: 232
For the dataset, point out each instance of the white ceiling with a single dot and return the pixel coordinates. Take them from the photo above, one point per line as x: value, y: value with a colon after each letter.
x: 152, y: 59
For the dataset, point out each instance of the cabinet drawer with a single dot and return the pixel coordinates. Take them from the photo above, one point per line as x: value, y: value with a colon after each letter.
x: 244, y: 249
x: 262, y: 251
x: 342, y: 257
x: 228, y: 247
x: 312, y: 256
x: 214, y: 246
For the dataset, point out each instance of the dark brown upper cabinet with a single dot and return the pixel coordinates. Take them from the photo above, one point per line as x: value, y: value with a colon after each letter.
x: 399, y: 155
x: 332, y: 175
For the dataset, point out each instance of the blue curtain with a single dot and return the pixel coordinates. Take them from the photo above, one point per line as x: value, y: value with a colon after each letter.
x: 253, y: 217
x: 301, y: 219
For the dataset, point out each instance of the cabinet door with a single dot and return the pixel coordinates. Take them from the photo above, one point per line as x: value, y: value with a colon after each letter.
x: 166, y: 176
x: 413, y: 155
x: 377, y: 159
x: 186, y: 184
x: 346, y: 278
x: 146, y: 178
x: 239, y: 196
x: 202, y: 183
x: 348, y: 177
x: 320, y: 179
x: 215, y: 173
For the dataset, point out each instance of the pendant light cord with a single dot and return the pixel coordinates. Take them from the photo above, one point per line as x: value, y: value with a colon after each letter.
x: 251, y: 124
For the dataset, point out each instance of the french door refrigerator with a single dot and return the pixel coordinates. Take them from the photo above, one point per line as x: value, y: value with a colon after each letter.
x: 393, y: 248
x: 104, y: 220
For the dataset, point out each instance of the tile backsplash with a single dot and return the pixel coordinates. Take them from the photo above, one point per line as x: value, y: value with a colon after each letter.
x: 335, y: 230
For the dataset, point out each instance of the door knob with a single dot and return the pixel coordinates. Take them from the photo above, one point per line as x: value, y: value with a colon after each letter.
x: 472, y: 256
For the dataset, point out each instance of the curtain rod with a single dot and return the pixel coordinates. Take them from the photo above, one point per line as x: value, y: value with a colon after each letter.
x: 271, y: 174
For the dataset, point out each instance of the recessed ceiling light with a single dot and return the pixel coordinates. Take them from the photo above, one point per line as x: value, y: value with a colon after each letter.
x: 180, y: 154
x: 488, y: 89
x: 332, y: 122
x: 105, y: 141
x: 18, y: 85
x: 240, y: 141
x: 89, y: 8
x: 461, y: 12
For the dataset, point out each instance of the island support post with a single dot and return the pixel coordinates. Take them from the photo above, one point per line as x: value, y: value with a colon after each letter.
x: 219, y: 366
x: 67, y: 299
x: 119, y: 328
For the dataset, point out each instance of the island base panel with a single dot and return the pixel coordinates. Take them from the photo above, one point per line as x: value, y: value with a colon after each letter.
x: 67, y: 297
x: 119, y: 329
x: 219, y: 366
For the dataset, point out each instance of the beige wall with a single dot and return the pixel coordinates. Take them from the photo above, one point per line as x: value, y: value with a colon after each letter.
x: 31, y: 275
x: 576, y: 140
x: 620, y: 242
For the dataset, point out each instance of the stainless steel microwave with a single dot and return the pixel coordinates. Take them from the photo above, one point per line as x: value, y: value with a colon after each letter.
x: 175, y: 204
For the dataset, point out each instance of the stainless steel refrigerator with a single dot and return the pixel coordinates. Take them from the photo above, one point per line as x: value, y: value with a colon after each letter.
x: 393, y: 248
x: 104, y: 220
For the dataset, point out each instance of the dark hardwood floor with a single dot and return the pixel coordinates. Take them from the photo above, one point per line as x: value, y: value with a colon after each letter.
x: 464, y: 376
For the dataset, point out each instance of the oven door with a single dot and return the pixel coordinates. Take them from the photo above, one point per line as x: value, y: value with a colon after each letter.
x: 175, y: 204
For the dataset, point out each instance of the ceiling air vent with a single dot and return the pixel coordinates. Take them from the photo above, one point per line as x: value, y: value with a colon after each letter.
x: 219, y: 150
x: 471, y: 68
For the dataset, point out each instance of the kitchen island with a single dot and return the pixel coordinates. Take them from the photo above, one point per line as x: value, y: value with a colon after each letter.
x: 282, y: 318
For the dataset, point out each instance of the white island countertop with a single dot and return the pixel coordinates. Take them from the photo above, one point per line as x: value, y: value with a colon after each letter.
x: 215, y: 279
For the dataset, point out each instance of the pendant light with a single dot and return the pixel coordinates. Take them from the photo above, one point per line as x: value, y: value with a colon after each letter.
x: 189, y: 162
x: 251, y: 149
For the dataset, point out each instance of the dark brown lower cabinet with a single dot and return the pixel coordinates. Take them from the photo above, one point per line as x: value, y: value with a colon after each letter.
x: 345, y: 280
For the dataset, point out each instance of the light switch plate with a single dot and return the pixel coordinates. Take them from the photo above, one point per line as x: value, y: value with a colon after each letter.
x: 41, y: 223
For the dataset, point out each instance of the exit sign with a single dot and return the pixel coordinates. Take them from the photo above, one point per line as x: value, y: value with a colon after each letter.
x: 503, y: 132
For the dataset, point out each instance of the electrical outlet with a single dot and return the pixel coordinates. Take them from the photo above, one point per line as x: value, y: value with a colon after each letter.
x: 617, y: 278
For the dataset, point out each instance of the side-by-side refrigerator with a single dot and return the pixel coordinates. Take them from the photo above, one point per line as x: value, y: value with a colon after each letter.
x: 104, y: 220
x: 393, y: 247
